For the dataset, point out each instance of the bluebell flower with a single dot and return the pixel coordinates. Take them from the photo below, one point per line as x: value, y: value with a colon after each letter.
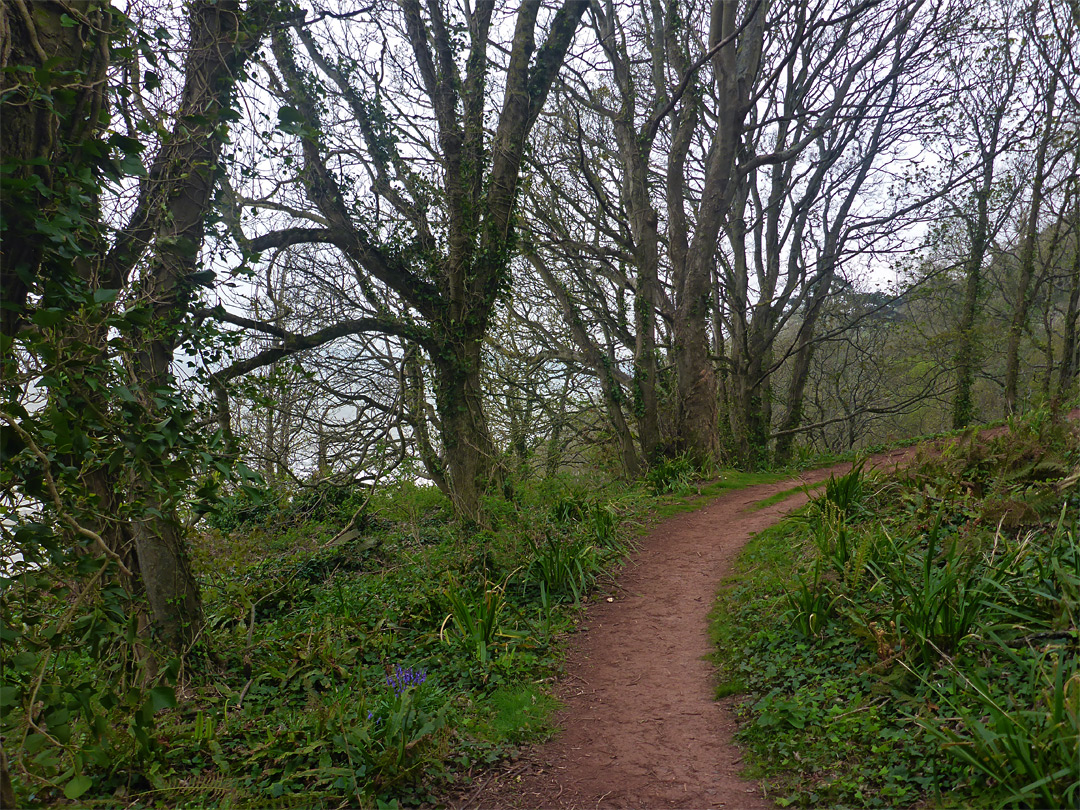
x: 404, y: 677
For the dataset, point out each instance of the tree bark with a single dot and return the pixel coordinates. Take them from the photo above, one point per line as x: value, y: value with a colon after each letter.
x: 7, y: 791
x: 635, y: 145
x: 988, y: 124
x: 967, y: 350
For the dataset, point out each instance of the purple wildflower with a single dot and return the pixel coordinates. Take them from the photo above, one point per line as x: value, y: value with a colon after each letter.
x: 404, y: 677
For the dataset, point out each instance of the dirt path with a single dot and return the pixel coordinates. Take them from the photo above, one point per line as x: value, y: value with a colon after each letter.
x: 640, y: 726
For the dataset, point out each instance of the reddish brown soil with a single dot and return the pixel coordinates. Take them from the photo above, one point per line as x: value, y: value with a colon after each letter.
x: 640, y: 727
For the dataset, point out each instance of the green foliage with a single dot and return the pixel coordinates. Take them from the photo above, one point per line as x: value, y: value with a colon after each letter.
x: 521, y: 713
x: 564, y: 567
x: 93, y: 448
x: 671, y: 475
x: 845, y: 493
x: 67, y: 722
x: 1024, y: 743
x: 252, y: 506
x: 936, y: 598
x: 811, y: 603
x: 475, y: 615
x: 941, y: 665
x: 687, y: 500
x: 304, y: 705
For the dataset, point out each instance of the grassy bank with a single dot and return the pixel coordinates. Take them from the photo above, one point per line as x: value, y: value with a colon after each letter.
x: 913, y: 641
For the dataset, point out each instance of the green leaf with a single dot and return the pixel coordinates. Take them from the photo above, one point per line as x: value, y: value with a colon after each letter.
x: 25, y: 661
x: 34, y: 743
x: 204, y: 278
x: 180, y: 245
x: 48, y: 317
x: 78, y: 786
x: 105, y: 296
x: 10, y: 696
x: 289, y: 115
x: 131, y: 164
x: 162, y: 697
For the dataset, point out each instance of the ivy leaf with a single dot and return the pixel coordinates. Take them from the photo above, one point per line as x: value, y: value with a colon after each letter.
x: 289, y: 115
x: 48, y: 317
x: 180, y: 245
x: 9, y: 697
x: 204, y: 278
x: 25, y: 661
x: 105, y: 296
x: 290, y: 120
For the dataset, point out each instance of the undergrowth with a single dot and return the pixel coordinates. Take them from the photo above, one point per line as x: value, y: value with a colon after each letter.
x: 913, y: 641
x: 360, y: 650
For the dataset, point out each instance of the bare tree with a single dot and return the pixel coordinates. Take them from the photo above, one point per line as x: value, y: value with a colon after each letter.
x: 987, y: 112
x: 1051, y: 147
x: 433, y: 265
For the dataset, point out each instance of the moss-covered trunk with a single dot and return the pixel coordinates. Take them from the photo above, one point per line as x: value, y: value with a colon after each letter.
x: 467, y: 448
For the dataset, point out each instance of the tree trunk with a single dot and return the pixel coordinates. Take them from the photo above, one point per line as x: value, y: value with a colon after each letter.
x: 467, y: 448
x: 171, y: 587
x: 446, y: 305
x: 628, y: 456
x: 1070, y: 350
x: 698, y: 417
x: 967, y: 350
x: 1022, y: 302
x: 800, y: 371
x: 42, y: 132
x: 723, y: 359
x: 735, y: 60
x: 646, y: 402
x: 635, y: 144
x: 749, y: 348
x: 749, y: 426
x: 978, y: 227
x: 793, y: 415
x: 39, y: 136
x: 183, y: 178
x: 644, y: 224
x: 7, y: 791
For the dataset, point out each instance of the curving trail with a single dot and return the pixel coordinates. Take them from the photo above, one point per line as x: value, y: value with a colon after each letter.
x: 640, y: 726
